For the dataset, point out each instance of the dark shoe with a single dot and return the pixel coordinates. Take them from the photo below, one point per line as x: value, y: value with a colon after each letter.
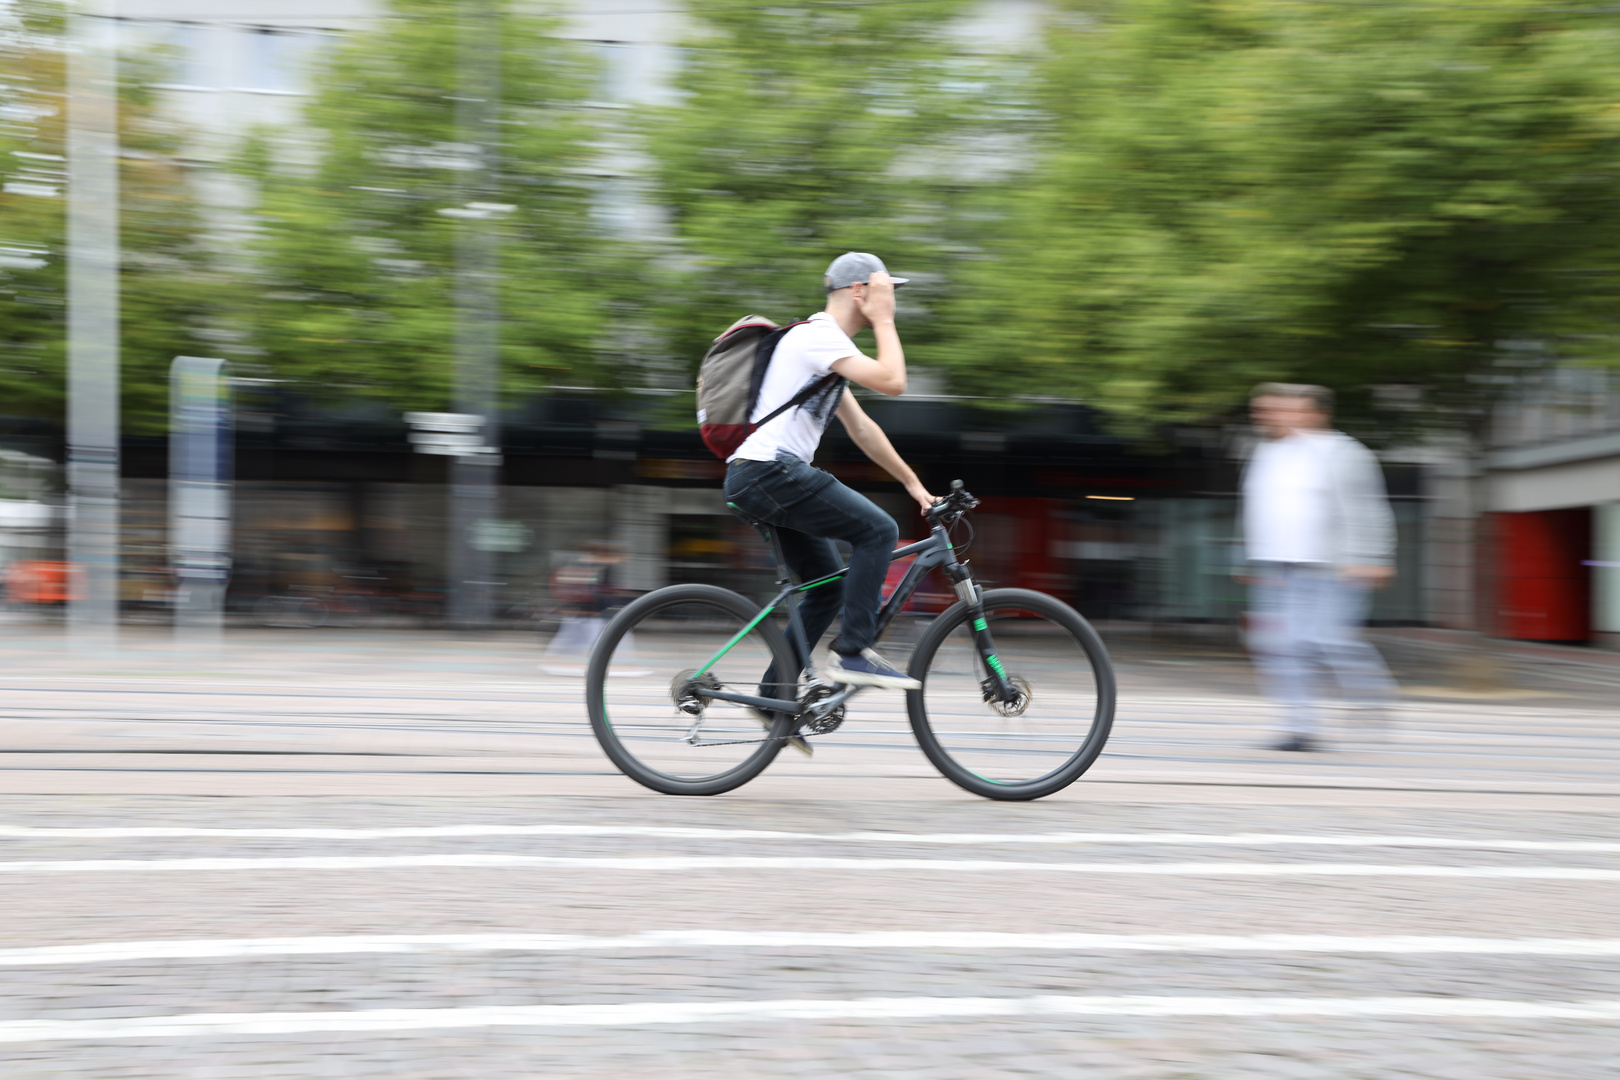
x: 1295, y: 743
x: 767, y: 720
x: 868, y: 669
x: 795, y: 741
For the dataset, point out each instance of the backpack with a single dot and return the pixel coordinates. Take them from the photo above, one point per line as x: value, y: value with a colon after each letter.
x: 730, y: 378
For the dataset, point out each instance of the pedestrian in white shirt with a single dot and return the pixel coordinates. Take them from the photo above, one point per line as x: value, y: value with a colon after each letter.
x: 1319, y: 538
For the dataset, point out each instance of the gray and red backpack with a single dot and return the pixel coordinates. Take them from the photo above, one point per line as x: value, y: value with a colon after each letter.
x: 730, y: 379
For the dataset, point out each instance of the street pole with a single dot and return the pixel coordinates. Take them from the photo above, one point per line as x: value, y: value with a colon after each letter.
x: 200, y: 475
x: 92, y: 325
x: 474, y: 487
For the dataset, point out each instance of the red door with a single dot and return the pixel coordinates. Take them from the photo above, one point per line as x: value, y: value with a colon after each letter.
x: 1543, y: 587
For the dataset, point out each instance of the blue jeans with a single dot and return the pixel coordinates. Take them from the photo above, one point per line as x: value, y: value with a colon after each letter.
x: 1308, y: 618
x: 810, y: 509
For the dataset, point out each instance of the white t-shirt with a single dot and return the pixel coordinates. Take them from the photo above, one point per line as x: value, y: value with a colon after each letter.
x: 1287, y: 500
x: 805, y: 354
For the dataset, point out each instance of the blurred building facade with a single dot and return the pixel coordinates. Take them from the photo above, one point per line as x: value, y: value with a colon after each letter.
x: 1551, y: 532
x: 335, y: 510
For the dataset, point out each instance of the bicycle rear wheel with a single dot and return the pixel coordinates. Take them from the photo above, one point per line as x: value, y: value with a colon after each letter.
x: 638, y: 690
x: 1026, y: 749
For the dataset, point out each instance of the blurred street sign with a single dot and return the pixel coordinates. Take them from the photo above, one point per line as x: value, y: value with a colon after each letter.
x: 451, y: 435
x: 494, y: 534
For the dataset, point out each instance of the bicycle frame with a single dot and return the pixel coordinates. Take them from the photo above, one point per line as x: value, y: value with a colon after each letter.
x: 935, y: 551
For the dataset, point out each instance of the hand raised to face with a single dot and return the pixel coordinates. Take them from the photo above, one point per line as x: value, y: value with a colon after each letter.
x: 875, y: 299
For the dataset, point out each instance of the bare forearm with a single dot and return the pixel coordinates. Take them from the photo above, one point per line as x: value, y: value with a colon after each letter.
x: 865, y: 433
x: 891, y: 356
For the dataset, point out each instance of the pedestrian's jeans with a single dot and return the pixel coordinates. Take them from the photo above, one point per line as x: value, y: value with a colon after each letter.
x: 1308, y: 618
x: 810, y: 509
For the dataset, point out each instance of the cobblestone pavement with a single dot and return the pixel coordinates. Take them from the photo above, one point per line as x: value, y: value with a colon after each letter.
x: 1438, y: 898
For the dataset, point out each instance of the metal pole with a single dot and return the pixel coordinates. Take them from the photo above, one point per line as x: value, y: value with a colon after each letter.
x: 474, y: 480
x: 200, y: 473
x: 92, y: 324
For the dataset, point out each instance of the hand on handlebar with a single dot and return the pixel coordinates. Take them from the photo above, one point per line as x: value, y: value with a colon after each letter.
x: 958, y: 501
x: 924, y: 499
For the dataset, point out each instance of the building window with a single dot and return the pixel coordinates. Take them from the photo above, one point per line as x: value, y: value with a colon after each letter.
x: 278, y: 61
x: 615, y: 73
x: 190, y: 49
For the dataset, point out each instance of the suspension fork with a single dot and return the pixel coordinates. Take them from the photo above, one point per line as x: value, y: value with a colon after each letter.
x: 996, y: 685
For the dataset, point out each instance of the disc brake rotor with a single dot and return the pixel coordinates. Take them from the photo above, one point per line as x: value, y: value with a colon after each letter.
x: 1018, y: 705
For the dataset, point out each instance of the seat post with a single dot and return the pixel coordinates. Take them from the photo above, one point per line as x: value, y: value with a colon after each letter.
x: 784, y: 576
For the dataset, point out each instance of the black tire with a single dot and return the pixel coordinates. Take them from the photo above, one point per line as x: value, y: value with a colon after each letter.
x: 1042, y: 641
x: 677, y: 629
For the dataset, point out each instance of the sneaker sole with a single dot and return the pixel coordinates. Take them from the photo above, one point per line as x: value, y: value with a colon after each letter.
x: 885, y: 682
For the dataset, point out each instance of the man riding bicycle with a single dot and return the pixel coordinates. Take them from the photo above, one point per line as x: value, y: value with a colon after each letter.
x: 771, y: 479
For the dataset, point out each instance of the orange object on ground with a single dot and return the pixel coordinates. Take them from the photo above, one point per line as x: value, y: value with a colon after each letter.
x: 41, y: 581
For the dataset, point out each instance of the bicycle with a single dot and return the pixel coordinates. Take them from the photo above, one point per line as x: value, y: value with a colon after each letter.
x: 1017, y: 698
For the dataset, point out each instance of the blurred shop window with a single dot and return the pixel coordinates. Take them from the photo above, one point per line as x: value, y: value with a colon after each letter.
x: 278, y: 61
x: 191, y: 48
x: 700, y: 549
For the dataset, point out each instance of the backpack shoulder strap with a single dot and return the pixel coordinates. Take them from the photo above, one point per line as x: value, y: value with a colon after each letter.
x: 763, y: 352
x: 807, y: 392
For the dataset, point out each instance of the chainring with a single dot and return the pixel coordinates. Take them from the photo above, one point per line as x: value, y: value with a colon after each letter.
x: 822, y: 725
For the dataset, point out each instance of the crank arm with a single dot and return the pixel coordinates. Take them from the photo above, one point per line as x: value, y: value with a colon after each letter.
x: 828, y: 704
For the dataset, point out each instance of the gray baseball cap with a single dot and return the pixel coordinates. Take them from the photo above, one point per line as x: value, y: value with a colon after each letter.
x: 855, y: 268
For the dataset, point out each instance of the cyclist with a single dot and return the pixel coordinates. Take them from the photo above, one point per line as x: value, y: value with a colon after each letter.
x: 770, y: 476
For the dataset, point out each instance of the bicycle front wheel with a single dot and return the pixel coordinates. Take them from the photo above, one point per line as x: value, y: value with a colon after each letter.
x: 1018, y: 750
x: 639, y: 690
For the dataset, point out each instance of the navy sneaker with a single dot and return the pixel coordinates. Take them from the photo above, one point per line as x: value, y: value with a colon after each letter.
x: 867, y: 669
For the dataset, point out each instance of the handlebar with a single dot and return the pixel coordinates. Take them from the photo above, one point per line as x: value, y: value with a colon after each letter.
x: 952, y: 506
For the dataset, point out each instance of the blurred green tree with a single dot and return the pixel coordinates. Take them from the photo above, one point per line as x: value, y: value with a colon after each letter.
x: 1355, y: 195
x: 168, y: 289
x: 802, y: 131
x: 353, y: 268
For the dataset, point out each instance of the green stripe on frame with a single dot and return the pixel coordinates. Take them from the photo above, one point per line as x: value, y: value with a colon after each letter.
x: 715, y: 659
x: 821, y: 581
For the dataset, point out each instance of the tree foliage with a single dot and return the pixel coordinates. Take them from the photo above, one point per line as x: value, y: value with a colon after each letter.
x: 355, y: 264
x: 168, y: 289
x: 808, y: 130
x: 1240, y: 190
